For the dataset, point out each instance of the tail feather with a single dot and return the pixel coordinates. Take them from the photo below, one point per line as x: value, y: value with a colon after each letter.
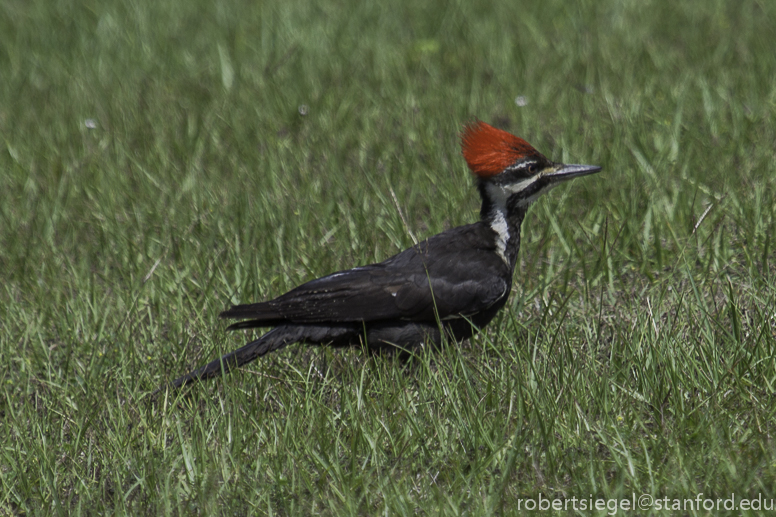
x: 269, y: 342
x: 275, y: 339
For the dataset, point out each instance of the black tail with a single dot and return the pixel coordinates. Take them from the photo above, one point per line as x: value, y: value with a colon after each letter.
x: 275, y: 339
x: 272, y: 340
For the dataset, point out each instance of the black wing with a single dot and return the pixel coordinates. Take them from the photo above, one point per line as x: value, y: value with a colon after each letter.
x: 455, y: 273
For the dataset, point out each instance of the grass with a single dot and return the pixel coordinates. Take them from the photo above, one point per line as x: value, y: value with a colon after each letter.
x: 162, y: 160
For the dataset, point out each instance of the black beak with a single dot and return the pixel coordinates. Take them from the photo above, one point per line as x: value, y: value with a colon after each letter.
x: 567, y: 172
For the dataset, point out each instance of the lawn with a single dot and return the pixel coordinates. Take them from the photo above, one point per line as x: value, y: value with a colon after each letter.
x: 162, y: 160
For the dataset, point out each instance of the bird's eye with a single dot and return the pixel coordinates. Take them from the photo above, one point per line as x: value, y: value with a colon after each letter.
x: 532, y: 168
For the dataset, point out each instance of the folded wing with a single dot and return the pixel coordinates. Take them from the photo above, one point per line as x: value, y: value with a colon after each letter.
x: 409, y: 286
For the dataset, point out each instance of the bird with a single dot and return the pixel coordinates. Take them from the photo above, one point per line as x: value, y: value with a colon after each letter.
x: 443, y: 289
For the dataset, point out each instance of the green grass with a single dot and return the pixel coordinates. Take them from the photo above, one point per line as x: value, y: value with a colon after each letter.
x: 637, y: 353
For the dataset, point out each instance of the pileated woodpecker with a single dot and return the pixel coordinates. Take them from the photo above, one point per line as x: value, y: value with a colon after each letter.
x: 451, y: 284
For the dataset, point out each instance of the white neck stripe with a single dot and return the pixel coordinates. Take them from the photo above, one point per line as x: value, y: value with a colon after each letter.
x: 497, y: 218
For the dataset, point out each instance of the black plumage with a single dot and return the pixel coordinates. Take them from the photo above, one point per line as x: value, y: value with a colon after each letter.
x: 451, y: 284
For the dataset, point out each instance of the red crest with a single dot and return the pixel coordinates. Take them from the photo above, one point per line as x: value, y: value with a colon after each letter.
x: 488, y: 151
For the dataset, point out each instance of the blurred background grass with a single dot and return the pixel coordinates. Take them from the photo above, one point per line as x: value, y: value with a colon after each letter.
x: 163, y: 160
